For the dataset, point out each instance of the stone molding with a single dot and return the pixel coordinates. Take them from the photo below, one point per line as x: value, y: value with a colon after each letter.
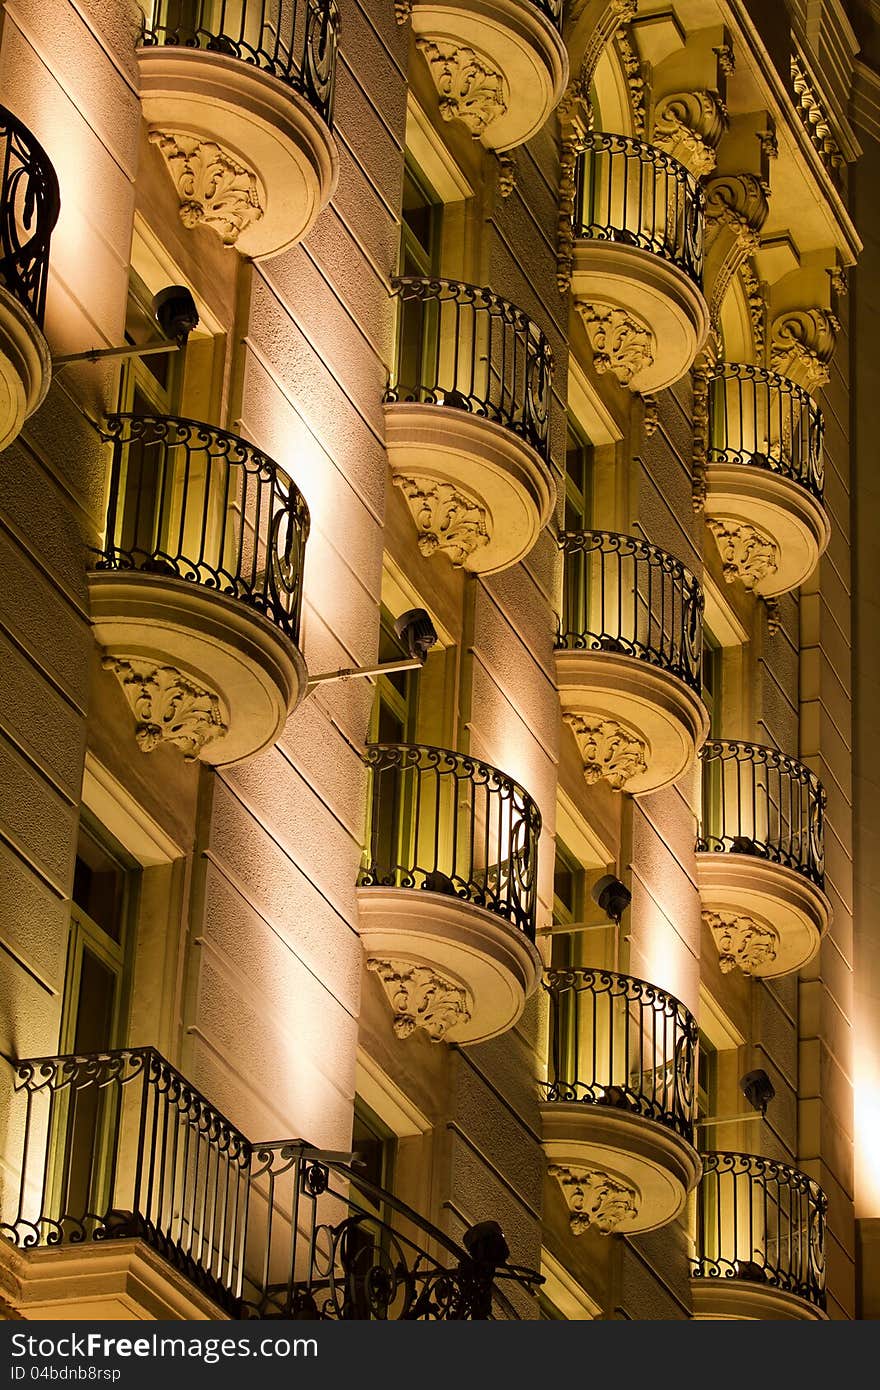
x: 214, y: 189
x: 622, y: 344
x: 607, y: 749
x: 814, y: 116
x: 421, y: 997
x: 595, y: 1198
x: 746, y: 553
x: 446, y: 518
x: 802, y: 343
x: 470, y: 89
x: 742, y: 941
x: 168, y: 706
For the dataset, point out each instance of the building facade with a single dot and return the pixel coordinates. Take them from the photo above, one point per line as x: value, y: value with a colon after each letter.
x: 438, y: 631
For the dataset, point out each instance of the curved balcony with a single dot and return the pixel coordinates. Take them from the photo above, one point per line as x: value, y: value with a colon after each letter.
x: 119, y: 1152
x: 764, y: 478
x: 761, y: 858
x: 618, y: 1108
x: 760, y: 1250
x: 29, y: 207
x: 467, y: 423
x: 638, y: 260
x: 448, y: 892
x: 499, y: 66
x: 239, y: 101
x: 628, y: 651
x: 197, y: 591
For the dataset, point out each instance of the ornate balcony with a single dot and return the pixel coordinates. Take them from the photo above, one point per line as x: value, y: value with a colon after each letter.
x: 239, y: 100
x: 760, y: 1249
x: 467, y: 423
x: 764, y: 478
x: 618, y: 1108
x: 628, y: 651
x: 29, y: 207
x: 448, y: 892
x: 121, y: 1160
x: 761, y: 858
x: 197, y: 591
x: 499, y: 66
x: 637, y: 261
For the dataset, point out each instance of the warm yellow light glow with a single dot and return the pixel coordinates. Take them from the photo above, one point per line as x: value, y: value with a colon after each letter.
x: 866, y: 1117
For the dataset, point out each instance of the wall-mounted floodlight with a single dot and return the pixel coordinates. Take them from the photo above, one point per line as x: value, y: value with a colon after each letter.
x: 176, y: 314
x: 413, y: 629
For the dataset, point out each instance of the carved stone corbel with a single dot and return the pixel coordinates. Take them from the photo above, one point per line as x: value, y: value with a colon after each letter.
x: 595, y: 1198
x: 214, y: 189
x: 608, y: 749
x: 743, y: 943
x: 621, y: 343
x: 421, y: 997
x: 689, y: 126
x: 447, y: 519
x: 736, y: 209
x: 802, y: 343
x: 470, y: 88
x: 168, y: 707
x: 747, y: 554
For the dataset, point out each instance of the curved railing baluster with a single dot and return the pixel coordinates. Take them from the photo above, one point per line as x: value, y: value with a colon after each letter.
x: 622, y: 594
x: 759, y: 418
x: 449, y: 823
x: 194, y: 502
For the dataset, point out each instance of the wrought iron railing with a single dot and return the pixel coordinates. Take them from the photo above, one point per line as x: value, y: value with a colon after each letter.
x: 758, y: 801
x: 449, y: 823
x: 621, y: 594
x: 462, y: 346
x: 761, y: 1221
x: 763, y: 419
x: 119, y: 1145
x: 620, y: 1042
x: 552, y: 9
x: 193, y: 502
x: 29, y: 207
x: 631, y: 193
x: 294, y: 40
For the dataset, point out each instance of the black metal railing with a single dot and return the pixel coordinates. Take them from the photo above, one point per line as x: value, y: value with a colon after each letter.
x: 462, y: 346
x: 631, y: 193
x: 193, y: 502
x: 761, y: 1221
x: 119, y: 1145
x: 763, y: 419
x: 552, y: 9
x: 449, y: 823
x: 622, y: 594
x: 758, y: 801
x: 294, y: 40
x: 29, y: 207
x: 620, y: 1042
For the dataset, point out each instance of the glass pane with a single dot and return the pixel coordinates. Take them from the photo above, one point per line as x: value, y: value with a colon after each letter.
x: 94, y: 1005
x: 98, y: 883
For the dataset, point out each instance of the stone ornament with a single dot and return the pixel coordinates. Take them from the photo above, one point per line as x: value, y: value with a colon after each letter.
x: 689, y: 126
x: 168, y: 707
x: 471, y: 90
x: 746, y: 553
x: 446, y: 518
x: 214, y: 189
x: 621, y: 344
x: 815, y: 117
x: 741, y: 941
x: 608, y: 750
x: 595, y: 1198
x: 802, y: 343
x: 421, y: 998
x: 506, y: 174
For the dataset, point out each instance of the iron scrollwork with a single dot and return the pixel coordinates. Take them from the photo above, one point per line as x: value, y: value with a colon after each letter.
x: 29, y: 206
x: 765, y: 420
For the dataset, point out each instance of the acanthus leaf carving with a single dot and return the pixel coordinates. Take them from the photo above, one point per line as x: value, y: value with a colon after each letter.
x: 447, y: 519
x: 402, y: 10
x: 700, y: 416
x: 742, y: 941
x: 689, y: 126
x: 621, y: 344
x: 746, y: 553
x: 506, y: 174
x: 168, y: 706
x: 635, y: 80
x: 421, y: 997
x: 608, y: 750
x: 595, y: 1198
x: 802, y: 343
x: 471, y: 90
x: 736, y: 209
x: 575, y: 119
x: 757, y: 306
x: 214, y: 189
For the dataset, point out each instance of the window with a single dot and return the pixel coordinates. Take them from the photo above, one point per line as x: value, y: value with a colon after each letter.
x: 707, y: 1079
x: 713, y: 655
x: 422, y: 214
x: 568, y: 887
x: 578, y: 479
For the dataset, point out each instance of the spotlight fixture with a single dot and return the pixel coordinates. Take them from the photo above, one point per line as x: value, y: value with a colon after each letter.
x: 611, y: 896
